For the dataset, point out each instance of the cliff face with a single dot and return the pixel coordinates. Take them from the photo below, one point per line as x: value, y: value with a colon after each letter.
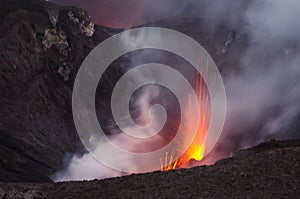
x: 41, y: 47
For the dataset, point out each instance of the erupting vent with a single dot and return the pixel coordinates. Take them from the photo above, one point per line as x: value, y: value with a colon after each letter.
x: 197, y: 148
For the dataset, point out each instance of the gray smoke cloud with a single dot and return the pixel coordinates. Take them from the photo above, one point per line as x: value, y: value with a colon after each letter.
x: 87, y: 167
x: 266, y: 94
x: 263, y: 97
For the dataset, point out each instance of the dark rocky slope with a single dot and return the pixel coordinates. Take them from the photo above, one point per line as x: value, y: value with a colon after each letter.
x: 41, y: 48
x: 269, y: 170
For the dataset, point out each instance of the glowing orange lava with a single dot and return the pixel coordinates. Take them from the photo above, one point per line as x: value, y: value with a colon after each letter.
x: 197, y: 148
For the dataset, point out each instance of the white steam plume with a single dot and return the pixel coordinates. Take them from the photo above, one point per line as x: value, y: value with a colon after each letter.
x: 264, y: 96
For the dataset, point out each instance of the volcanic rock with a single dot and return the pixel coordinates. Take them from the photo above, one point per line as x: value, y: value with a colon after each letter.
x: 269, y: 170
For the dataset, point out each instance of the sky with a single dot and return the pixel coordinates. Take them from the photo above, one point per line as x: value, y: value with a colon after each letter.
x: 126, y: 13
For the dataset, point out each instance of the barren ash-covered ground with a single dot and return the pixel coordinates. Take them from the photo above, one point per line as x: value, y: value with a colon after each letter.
x: 269, y: 170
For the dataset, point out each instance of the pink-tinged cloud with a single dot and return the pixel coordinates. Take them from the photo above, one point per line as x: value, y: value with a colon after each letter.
x: 126, y: 13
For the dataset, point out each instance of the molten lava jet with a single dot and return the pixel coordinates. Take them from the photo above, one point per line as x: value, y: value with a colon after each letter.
x: 196, y: 150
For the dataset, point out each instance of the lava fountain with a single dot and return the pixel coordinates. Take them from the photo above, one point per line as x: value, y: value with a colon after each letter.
x: 196, y: 150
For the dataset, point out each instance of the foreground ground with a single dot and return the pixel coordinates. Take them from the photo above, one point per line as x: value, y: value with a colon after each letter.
x: 270, y: 170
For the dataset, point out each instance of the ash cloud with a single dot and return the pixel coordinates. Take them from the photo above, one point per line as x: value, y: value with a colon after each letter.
x: 263, y: 97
